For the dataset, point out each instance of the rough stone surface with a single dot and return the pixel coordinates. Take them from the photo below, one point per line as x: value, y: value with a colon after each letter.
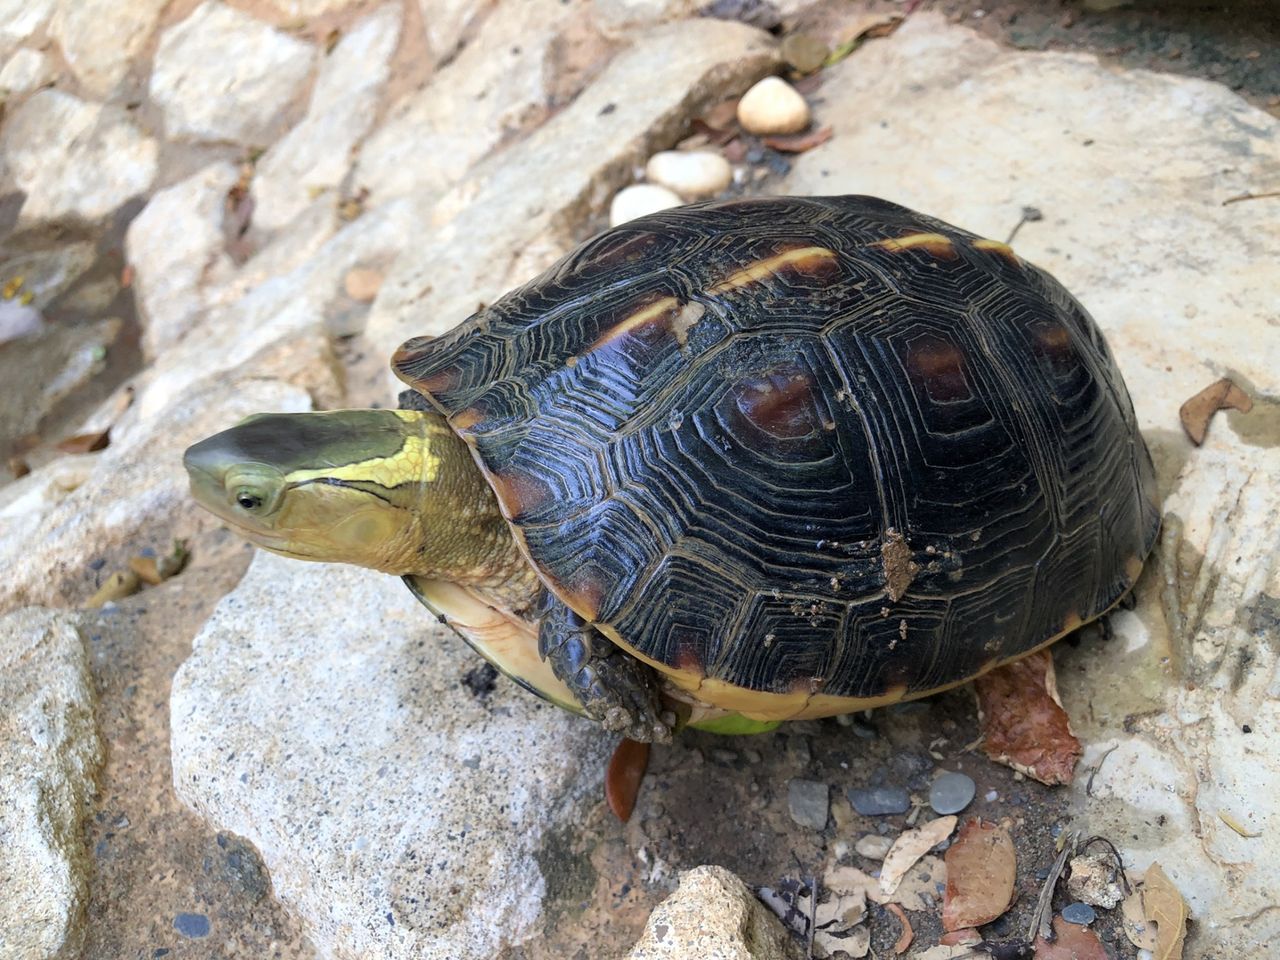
x: 19, y: 19
x: 176, y: 247
x: 713, y: 916
x: 526, y: 209
x: 25, y: 71
x: 49, y: 750
x: 221, y: 74
x: 495, y: 88
x: 620, y: 17
x: 445, y: 21
x: 323, y: 715
x: 1133, y: 223
x: 100, y: 38
x: 316, y: 154
x: 136, y: 490
x: 74, y: 158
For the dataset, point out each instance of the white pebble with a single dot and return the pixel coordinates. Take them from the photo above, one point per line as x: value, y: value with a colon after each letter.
x: 638, y: 200
x: 694, y: 174
x: 773, y: 106
x: 873, y: 847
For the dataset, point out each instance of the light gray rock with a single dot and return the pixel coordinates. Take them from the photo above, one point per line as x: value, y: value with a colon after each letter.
x: 694, y: 174
x: 620, y: 17
x: 713, y: 916
x: 49, y: 365
x: 19, y: 19
x: 284, y: 312
x: 137, y: 489
x: 74, y: 158
x: 100, y: 38
x: 1133, y: 224
x: 48, y: 273
x: 494, y: 88
x: 639, y: 200
x: 49, y: 751
x: 518, y: 211
x: 316, y: 154
x: 322, y: 715
x: 24, y: 71
x: 176, y: 246
x: 445, y: 21
x: 773, y: 106
x: 221, y: 74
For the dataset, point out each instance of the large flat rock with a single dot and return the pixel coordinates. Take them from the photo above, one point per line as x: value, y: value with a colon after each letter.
x: 1130, y: 171
x: 49, y: 750
x: 323, y: 715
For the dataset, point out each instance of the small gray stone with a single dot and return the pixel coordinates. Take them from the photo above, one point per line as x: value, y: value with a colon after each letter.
x: 809, y: 802
x: 952, y: 792
x: 873, y: 847
x: 1080, y: 913
x: 879, y: 801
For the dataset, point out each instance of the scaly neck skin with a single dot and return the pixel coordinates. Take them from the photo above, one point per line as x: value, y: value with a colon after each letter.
x: 463, y: 537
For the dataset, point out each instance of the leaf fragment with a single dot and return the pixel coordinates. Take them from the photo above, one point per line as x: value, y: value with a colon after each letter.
x: 1237, y: 826
x: 798, y: 142
x: 623, y: 778
x: 86, y: 442
x: 981, y: 869
x: 1023, y: 724
x: 910, y: 846
x: 1163, y: 905
x: 1071, y: 942
x: 1196, y: 413
x: 1140, y: 932
x: 903, y: 942
x: 121, y: 584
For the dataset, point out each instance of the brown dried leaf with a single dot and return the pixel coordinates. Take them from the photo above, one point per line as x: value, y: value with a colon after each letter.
x: 1196, y: 413
x: 910, y: 846
x: 735, y: 151
x: 1140, y: 933
x: 156, y: 570
x: 1071, y: 942
x: 904, y: 939
x: 723, y: 116
x: 1163, y: 905
x: 870, y: 26
x: 1023, y: 724
x: 623, y: 778
x: 18, y: 467
x: 86, y: 442
x: 798, y: 142
x: 121, y: 584
x: 981, y: 868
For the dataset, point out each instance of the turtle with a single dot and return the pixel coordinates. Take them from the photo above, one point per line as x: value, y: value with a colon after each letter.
x: 731, y: 464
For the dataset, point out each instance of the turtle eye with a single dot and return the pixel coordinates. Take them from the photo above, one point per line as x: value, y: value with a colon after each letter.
x: 249, y: 499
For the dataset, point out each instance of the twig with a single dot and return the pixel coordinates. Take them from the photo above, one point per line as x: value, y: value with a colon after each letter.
x: 1240, y: 198
x: 1029, y: 215
x: 1124, y: 878
x: 1093, y: 772
x: 1040, y: 924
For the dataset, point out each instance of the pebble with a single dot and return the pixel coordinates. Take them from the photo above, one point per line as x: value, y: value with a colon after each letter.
x: 193, y: 925
x: 951, y: 793
x: 803, y: 51
x: 773, y: 106
x: 362, y: 283
x: 639, y: 200
x: 724, y: 757
x: 809, y: 802
x: 873, y: 847
x: 880, y: 801
x: 1080, y: 913
x: 693, y: 174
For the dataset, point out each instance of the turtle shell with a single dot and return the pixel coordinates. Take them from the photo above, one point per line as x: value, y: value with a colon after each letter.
x: 804, y: 454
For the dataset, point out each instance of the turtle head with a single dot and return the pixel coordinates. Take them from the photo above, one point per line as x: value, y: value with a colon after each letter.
x: 343, y: 486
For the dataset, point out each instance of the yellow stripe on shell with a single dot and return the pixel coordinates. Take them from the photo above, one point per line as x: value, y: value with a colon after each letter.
x: 936, y: 243
x: 804, y: 259
x: 995, y: 246
x: 638, y: 319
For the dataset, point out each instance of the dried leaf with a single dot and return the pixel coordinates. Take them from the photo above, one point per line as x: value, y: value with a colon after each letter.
x: 871, y: 26
x: 156, y: 570
x: 838, y: 923
x: 963, y: 951
x: 1140, y: 933
x: 723, y: 116
x: 981, y: 868
x: 904, y: 939
x: 18, y: 466
x: 1071, y: 942
x: 910, y: 847
x: 803, y: 52
x: 1023, y: 723
x: 953, y: 937
x: 1163, y: 905
x: 86, y: 442
x: 121, y: 584
x: 798, y: 142
x: 1237, y: 826
x: 1196, y: 413
x: 127, y: 275
x: 622, y: 779
x: 735, y: 151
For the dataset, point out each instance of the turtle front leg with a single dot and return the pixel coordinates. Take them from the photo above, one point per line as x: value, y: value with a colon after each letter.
x: 613, y: 687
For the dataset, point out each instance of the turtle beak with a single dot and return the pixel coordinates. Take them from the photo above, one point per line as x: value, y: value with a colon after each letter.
x: 206, y: 464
